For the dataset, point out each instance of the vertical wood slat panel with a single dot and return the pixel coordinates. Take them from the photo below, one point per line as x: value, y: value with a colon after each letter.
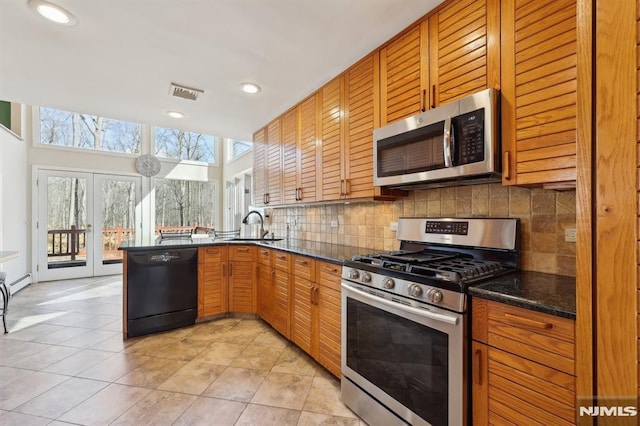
x: 289, y: 122
x: 259, y: 166
x: 274, y: 162
x: 331, y: 138
x: 307, y: 149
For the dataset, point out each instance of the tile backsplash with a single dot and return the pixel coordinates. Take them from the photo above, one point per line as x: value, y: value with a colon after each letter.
x: 544, y: 215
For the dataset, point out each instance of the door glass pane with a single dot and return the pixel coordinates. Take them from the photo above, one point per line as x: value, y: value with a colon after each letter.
x: 118, y: 217
x: 66, y: 222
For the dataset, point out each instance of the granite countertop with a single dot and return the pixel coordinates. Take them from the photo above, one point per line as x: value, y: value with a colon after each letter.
x: 548, y: 293
x: 335, y: 253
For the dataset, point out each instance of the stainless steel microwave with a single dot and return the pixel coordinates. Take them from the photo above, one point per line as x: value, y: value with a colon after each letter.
x: 453, y: 144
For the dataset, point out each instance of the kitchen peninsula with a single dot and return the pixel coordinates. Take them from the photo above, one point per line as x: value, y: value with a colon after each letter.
x: 294, y: 285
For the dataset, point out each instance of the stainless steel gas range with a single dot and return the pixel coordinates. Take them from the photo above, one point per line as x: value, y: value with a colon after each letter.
x: 404, y: 318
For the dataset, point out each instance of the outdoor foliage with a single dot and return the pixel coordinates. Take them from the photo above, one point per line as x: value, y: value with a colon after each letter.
x: 87, y: 131
x: 182, y: 145
x: 184, y: 203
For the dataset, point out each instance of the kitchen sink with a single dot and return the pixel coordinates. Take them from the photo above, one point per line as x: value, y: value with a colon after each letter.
x: 266, y: 240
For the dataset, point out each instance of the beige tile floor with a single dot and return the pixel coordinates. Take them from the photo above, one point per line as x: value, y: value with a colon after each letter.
x: 64, y: 362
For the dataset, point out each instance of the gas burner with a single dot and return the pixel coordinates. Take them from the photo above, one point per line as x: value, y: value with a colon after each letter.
x: 432, y: 260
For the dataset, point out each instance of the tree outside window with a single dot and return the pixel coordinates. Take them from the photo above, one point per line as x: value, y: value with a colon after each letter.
x: 182, y: 204
x: 86, y: 131
x: 182, y: 145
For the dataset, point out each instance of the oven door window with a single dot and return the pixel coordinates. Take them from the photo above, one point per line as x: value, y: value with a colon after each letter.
x: 415, y: 151
x: 407, y: 360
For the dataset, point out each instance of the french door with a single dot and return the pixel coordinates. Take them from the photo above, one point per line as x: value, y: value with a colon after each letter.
x: 82, y: 219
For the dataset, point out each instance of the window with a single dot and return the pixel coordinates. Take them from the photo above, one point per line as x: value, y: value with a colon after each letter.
x: 183, y: 145
x: 73, y: 129
x: 184, y: 204
x: 235, y: 148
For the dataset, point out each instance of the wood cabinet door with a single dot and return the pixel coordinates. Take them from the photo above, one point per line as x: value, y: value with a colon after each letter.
x: 212, y: 281
x: 308, y: 152
x: 274, y: 163
x: 280, y: 315
x: 329, y: 306
x: 464, y: 44
x: 242, y: 287
x: 539, y: 92
x: 265, y: 292
x: 404, y: 72
x: 479, y: 383
x: 361, y: 117
x: 302, y: 313
x: 289, y: 125
x: 259, y: 167
x: 332, y: 94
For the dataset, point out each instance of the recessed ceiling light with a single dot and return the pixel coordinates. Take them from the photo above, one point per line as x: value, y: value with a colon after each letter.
x: 53, y: 12
x: 250, y: 87
x: 175, y: 114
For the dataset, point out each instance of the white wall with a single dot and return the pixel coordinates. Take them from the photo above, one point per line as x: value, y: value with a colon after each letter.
x: 14, y: 216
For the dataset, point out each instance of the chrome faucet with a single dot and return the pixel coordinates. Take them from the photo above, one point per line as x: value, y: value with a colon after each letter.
x: 263, y: 233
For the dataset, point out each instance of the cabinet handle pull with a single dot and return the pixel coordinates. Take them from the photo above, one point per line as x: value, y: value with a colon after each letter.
x: 341, y: 190
x: 230, y: 269
x: 331, y: 270
x: 300, y: 194
x: 478, y: 366
x: 264, y: 198
x: 314, y: 291
x: 280, y: 257
x: 302, y: 262
x: 243, y: 250
x: 347, y: 186
x: 311, y: 295
x: 224, y: 270
x: 423, y: 101
x: 506, y: 165
x: 433, y: 96
x: 528, y: 322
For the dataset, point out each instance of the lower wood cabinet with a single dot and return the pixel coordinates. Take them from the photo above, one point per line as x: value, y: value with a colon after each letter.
x: 242, y: 279
x: 265, y: 285
x: 212, y: 281
x: 281, y: 313
x: 523, y: 366
x: 315, y: 317
x: 226, y: 280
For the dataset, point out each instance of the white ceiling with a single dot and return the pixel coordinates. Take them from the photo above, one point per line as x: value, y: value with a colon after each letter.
x: 119, y: 60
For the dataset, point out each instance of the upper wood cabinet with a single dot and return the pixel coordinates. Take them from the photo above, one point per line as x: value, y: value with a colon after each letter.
x: 300, y: 153
x: 308, y: 156
x: 274, y: 163
x: 404, y: 75
x: 349, y: 114
x: 464, y: 49
x: 267, y: 165
x: 290, y: 171
x: 539, y: 92
x: 260, y: 167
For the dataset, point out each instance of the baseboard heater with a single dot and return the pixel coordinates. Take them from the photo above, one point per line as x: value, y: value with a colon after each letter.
x: 20, y: 283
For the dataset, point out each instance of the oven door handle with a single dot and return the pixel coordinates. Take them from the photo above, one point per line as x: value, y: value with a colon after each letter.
x: 420, y: 312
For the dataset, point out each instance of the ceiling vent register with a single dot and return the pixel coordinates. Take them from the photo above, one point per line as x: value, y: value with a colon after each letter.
x: 184, y: 92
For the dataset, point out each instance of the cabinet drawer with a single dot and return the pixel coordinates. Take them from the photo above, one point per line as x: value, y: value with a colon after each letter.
x: 282, y: 260
x: 329, y: 274
x: 304, y: 267
x: 264, y: 256
x: 535, y: 336
x: 241, y: 253
x: 211, y: 252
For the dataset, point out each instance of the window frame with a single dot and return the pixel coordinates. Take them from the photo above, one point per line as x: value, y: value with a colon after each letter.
x: 228, y: 149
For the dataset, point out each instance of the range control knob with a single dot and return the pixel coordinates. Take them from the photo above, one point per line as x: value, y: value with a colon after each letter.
x: 366, y: 277
x: 415, y: 290
x: 435, y: 296
x: 388, y: 283
x: 354, y: 274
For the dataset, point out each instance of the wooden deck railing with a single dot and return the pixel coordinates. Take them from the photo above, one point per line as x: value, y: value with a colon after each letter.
x: 69, y: 244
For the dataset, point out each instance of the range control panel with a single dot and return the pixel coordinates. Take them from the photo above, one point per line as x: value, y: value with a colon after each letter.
x: 447, y: 228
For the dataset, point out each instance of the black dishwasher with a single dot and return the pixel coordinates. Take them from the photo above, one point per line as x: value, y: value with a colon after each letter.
x: 162, y: 290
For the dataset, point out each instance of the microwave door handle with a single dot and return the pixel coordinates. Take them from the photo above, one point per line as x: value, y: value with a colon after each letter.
x: 446, y: 140
x: 453, y: 143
